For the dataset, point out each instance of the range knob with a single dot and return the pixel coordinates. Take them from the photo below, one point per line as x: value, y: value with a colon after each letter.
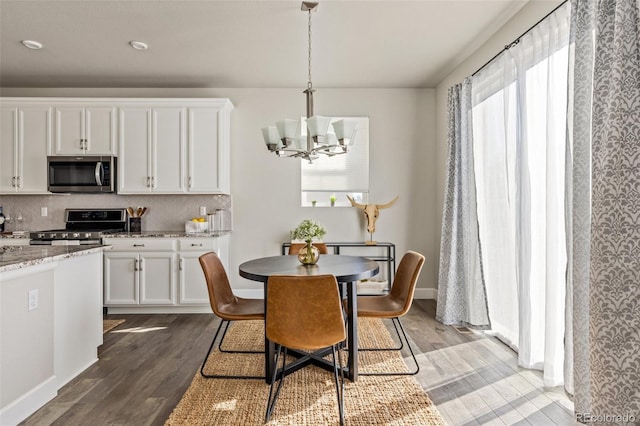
x: 41, y: 235
x: 65, y: 235
x: 87, y: 235
x: 52, y: 235
x: 75, y: 235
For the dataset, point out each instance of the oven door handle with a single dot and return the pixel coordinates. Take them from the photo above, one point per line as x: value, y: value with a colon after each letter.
x: 99, y: 173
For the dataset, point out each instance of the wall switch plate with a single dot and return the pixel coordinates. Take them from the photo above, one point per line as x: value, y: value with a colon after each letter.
x: 43, y: 211
x: 203, y: 210
x: 33, y: 299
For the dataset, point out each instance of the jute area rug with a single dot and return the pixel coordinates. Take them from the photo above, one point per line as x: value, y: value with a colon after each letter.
x: 308, y: 396
x: 108, y: 325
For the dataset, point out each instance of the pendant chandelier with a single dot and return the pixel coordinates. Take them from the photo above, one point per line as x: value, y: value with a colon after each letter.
x: 285, y: 138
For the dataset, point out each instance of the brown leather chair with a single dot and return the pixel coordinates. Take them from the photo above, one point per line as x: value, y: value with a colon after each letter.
x: 304, y: 313
x: 226, y: 306
x: 395, y: 304
x: 294, y: 248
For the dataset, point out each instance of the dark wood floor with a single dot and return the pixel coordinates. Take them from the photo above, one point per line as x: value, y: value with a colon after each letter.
x: 147, y: 363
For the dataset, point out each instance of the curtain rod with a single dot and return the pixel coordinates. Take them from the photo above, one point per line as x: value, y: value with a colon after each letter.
x: 517, y: 40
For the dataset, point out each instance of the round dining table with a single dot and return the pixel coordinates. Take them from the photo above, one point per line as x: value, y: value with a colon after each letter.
x: 348, y: 270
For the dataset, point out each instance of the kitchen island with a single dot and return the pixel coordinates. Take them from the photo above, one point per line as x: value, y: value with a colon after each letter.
x: 50, y: 322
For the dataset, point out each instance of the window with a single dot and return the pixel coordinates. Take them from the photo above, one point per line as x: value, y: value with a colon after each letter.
x: 336, y: 177
x: 519, y: 145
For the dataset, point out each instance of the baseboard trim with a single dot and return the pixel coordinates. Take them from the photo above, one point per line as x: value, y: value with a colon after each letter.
x: 137, y: 309
x: 426, y: 293
x: 29, y: 403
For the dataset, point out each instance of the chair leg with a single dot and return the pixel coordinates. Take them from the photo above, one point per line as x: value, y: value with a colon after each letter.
x: 228, y: 351
x: 340, y: 386
x: 272, y: 403
x: 398, y: 348
x: 218, y: 376
x: 410, y: 373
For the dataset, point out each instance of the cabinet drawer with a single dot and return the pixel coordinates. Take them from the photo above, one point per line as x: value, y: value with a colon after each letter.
x: 197, y: 244
x: 141, y: 244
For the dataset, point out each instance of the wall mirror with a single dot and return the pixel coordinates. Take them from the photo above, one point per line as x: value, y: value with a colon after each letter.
x: 328, y: 180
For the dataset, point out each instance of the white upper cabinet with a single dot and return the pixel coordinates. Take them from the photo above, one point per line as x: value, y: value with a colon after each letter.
x: 151, y: 150
x: 162, y: 145
x: 208, y: 149
x: 175, y: 146
x: 25, y: 138
x: 85, y: 130
x: 133, y: 166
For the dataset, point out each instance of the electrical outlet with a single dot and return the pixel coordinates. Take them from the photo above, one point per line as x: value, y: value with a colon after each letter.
x: 203, y: 210
x: 43, y: 211
x: 33, y: 299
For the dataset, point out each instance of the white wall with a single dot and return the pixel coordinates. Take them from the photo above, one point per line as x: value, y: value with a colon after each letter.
x: 266, y: 189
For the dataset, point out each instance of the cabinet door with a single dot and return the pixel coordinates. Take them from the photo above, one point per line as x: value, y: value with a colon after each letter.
x: 134, y: 175
x: 193, y: 286
x: 208, y: 168
x: 157, y: 278
x: 100, y: 130
x: 168, y: 147
x: 8, y: 148
x: 69, y: 133
x: 121, y: 279
x: 34, y: 140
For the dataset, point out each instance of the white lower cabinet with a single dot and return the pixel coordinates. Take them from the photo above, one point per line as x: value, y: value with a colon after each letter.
x: 145, y: 278
x: 191, y: 283
x: 192, y: 286
x: 158, y: 275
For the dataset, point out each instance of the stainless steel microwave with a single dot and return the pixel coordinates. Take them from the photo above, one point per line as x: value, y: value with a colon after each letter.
x: 81, y: 174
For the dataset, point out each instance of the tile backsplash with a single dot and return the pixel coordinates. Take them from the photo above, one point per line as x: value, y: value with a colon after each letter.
x: 164, y: 212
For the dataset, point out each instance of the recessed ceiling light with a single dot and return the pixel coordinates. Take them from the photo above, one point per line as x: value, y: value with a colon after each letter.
x: 139, y: 45
x: 31, y: 44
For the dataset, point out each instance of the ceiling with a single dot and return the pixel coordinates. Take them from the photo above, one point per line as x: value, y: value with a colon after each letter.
x: 242, y: 44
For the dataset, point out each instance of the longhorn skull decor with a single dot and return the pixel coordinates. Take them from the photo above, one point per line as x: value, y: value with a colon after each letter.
x: 371, y: 213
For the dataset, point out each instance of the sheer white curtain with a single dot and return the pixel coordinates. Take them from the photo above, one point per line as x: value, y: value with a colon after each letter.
x: 519, y: 128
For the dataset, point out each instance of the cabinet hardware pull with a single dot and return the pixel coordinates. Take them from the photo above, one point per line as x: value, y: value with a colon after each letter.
x: 148, y: 181
x: 138, y: 245
x: 196, y: 245
x: 190, y: 181
x: 180, y: 264
x: 13, y: 182
x: 135, y: 265
x: 19, y: 181
x: 153, y: 181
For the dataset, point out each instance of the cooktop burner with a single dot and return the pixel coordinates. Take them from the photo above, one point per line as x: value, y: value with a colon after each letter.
x: 86, y: 224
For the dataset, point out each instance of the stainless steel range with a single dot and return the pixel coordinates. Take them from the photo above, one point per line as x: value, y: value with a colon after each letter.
x: 83, y: 226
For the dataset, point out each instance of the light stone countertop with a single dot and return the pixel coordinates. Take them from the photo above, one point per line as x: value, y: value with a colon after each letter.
x: 166, y: 234
x: 17, y: 236
x: 18, y: 257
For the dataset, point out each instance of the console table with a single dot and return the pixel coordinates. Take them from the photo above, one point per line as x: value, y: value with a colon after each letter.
x: 388, y: 254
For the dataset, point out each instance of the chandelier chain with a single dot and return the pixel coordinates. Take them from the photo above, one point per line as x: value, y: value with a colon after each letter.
x: 309, y: 84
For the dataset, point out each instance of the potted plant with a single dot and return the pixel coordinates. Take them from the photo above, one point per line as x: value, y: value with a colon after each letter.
x: 308, y: 230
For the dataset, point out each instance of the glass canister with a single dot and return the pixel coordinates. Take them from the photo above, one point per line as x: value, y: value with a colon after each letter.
x: 224, y: 219
x: 219, y: 220
x: 211, y: 222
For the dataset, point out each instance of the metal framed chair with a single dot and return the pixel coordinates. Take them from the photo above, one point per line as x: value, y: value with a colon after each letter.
x: 304, y: 313
x: 294, y: 248
x: 227, y: 307
x: 394, y: 305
